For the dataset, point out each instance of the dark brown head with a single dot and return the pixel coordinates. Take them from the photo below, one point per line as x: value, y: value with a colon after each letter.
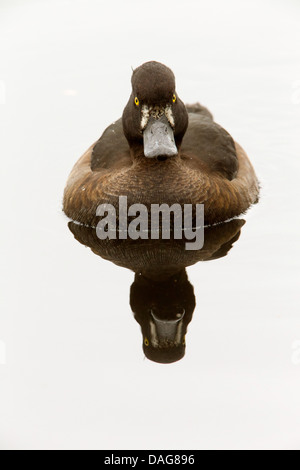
x: 154, y: 119
x: 163, y: 308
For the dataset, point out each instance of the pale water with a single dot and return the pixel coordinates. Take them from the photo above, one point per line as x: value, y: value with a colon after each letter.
x: 72, y: 369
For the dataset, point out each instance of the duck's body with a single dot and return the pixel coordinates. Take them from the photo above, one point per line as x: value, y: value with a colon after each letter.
x: 207, y: 166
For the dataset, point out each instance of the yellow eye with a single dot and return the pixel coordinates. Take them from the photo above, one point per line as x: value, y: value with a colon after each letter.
x: 183, y: 341
x: 174, y: 98
x: 146, y: 342
x: 136, y: 101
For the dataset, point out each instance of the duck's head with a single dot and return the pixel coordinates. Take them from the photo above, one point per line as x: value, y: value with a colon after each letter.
x: 154, y: 119
x: 163, y: 308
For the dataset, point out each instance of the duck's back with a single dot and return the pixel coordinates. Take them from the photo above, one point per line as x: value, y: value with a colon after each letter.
x: 207, y: 146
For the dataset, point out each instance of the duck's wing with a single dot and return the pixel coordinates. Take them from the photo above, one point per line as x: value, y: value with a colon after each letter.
x: 208, y: 147
x: 111, y: 151
x: 197, y: 108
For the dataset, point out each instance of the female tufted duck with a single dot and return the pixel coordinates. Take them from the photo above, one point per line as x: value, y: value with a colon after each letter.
x: 162, y: 151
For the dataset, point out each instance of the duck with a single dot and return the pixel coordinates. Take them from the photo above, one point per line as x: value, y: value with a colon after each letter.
x: 162, y: 151
x: 162, y: 298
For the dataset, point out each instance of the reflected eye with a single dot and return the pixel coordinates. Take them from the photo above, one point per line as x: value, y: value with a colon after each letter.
x: 136, y: 101
x: 174, y: 98
x: 146, y: 342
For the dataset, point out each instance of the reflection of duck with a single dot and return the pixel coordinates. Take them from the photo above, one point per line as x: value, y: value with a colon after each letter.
x: 161, y: 296
x: 162, y: 151
x: 163, y: 309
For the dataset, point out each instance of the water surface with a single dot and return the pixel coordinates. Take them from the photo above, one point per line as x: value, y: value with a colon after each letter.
x: 75, y: 374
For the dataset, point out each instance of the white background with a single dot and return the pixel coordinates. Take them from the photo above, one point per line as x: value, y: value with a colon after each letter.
x: 74, y: 375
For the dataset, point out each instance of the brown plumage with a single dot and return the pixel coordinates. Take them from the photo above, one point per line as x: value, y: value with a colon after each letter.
x: 210, y: 168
